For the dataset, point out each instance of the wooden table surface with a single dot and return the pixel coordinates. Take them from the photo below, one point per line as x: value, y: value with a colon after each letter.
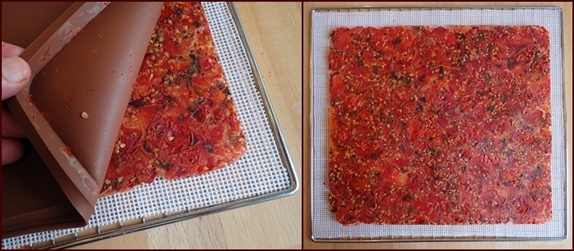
x: 309, y: 244
x: 274, y: 32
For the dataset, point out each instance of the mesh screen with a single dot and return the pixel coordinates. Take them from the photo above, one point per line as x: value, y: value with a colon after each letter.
x: 324, y: 225
x: 260, y: 172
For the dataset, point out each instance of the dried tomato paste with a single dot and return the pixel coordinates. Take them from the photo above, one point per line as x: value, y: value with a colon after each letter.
x: 439, y: 125
x: 181, y: 119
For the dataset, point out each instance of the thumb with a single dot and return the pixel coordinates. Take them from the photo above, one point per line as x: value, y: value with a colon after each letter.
x: 15, y: 75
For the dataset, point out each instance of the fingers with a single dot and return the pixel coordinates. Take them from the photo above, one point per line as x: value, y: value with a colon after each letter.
x: 10, y: 129
x: 9, y: 50
x: 15, y: 71
x: 12, y: 150
x: 15, y: 74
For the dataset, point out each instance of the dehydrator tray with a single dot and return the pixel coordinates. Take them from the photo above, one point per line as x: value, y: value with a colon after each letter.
x: 325, y: 228
x: 264, y: 173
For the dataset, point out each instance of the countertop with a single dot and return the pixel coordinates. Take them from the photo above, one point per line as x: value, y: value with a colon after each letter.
x: 309, y: 244
x: 274, y: 32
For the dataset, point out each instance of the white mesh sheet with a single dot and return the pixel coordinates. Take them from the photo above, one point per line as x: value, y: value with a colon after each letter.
x: 323, y: 224
x: 260, y: 172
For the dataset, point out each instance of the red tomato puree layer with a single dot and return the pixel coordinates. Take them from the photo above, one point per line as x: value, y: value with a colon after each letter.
x: 440, y: 125
x: 181, y: 120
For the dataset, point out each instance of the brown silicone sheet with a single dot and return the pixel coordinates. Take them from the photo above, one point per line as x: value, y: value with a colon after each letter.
x: 77, y: 72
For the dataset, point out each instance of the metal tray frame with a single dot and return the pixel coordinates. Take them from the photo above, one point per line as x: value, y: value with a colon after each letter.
x: 143, y: 223
x: 399, y: 238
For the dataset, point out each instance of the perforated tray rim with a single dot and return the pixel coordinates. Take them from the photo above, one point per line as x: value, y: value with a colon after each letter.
x: 317, y: 182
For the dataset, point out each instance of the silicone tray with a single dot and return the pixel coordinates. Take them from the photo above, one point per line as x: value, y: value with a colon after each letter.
x: 324, y: 227
x: 264, y: 173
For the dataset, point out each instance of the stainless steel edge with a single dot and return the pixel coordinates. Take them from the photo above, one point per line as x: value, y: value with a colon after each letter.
x: 398, y: 239
x: 265, y: 97
x: 193, y: 213
x: 394, y: 239
x: 565, y: 118
x: 351, y: 9
x: 147, y: 224
x: 311, y: 128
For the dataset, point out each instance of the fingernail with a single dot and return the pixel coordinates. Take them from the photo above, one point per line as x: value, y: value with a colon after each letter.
x: 14, y: 69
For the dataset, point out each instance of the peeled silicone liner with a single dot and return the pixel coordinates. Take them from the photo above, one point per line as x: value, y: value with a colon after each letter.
x: 126, y: 24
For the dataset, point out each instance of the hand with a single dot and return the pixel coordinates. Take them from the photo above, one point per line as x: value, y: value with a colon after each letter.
x: 15, y: 74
